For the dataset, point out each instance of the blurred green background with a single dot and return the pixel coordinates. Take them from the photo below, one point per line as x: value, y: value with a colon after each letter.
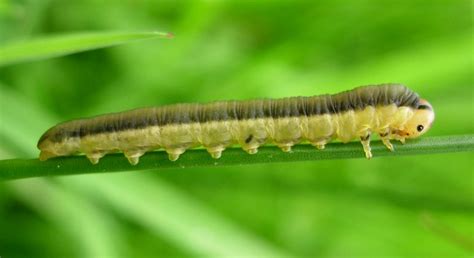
x: 418, y: 206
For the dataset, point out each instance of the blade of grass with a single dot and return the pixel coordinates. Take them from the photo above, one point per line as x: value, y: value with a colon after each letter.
x: 23, y: 168
x: 54, y: 46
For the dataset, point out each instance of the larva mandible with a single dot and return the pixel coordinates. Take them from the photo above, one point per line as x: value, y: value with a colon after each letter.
x: 391, y: 110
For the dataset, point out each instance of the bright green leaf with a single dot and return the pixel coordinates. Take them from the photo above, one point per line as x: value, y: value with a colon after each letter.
x: 54, y: 46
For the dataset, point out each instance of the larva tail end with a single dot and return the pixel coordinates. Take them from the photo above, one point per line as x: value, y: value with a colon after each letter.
x: 44, y: 155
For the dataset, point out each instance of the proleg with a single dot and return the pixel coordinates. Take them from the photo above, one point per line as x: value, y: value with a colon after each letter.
x: 391, y: 111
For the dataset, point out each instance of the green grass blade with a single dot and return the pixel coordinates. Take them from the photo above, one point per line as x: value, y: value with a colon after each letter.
x: 23, y: 168
x: 55, y: 46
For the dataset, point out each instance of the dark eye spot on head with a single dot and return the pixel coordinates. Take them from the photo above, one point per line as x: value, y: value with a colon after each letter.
x: 424, y: 107
x: 419, y: 128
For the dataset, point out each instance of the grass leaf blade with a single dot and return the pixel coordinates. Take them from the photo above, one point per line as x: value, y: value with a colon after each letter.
x: 55, y: 46
x: 23, y: 168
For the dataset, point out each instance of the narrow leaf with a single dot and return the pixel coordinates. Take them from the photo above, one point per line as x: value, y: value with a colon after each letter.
x: 54, y: 46
x: 23, y: 168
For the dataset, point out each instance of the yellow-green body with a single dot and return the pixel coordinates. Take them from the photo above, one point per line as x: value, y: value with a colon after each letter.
x: 389, y: 121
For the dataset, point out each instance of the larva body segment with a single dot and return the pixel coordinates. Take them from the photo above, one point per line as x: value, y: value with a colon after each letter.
x: 390, y: 110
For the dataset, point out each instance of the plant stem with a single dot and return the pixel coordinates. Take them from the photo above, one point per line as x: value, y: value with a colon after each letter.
x: 24, y: 168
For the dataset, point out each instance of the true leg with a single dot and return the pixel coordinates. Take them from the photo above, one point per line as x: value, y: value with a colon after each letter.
x: 385, y: 137
x: 365, y: 140
x: 399, y: 138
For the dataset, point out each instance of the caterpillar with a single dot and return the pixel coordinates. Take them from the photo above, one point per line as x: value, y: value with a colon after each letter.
x: 392, y: 111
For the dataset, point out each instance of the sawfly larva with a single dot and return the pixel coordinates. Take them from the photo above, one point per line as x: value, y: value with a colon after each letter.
x: 390, y: 110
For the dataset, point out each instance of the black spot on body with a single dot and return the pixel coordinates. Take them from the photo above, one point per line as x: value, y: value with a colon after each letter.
x: 249, y: 139
x: 365, y: 138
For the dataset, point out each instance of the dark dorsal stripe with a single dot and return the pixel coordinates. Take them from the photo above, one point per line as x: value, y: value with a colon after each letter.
x: 355, y: 99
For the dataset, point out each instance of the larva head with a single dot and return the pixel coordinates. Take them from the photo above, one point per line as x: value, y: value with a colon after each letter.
x: 420, y: 122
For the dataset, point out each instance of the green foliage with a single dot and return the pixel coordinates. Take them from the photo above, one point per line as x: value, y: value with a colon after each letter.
x: 68, y: 44
x: 388, y: 206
